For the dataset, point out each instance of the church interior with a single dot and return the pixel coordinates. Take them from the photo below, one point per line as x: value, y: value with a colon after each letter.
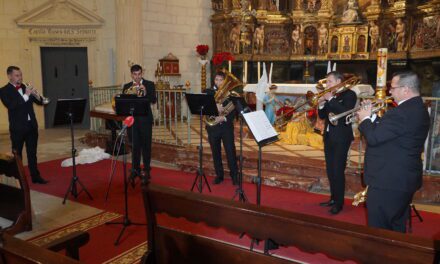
x: 119, y: 119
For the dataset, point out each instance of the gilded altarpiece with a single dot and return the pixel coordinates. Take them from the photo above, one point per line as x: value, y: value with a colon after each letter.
x: 326, y: 29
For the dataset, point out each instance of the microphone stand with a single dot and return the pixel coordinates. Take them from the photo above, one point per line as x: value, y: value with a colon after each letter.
x: 240, y: 192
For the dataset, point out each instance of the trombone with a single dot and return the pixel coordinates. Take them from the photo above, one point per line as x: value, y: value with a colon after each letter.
x: 351, y: 115
x: 36, y: 94
x: 313, y: 99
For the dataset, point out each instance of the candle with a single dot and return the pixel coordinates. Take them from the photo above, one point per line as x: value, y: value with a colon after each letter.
x: 229, y: 66
x: 245, y: 72
x: 258, y: 70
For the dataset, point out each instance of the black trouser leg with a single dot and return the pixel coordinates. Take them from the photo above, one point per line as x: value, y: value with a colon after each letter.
x: 135, y: 148
x: 388, y: 209
x: 229, y: 145
x: 215, y: 143
x: 340, y: 163
x: 146, y: 139
x: 17, y: 140
x: 31, y: 140
x: 329, y: 161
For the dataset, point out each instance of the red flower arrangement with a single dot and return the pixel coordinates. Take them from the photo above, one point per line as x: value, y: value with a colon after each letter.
x: 221, y: 58
x: 202, y: 50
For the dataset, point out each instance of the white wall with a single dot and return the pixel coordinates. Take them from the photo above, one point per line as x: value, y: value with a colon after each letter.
x: 176, y: 26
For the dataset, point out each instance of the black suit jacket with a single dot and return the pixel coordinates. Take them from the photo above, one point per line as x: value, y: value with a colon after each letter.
x: 150, y: 95
x: 341, y: 103
x: 18, y: 109
x: 394, y: 147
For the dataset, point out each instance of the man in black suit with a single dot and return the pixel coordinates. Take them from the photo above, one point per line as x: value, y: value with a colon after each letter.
x: 23, y: 126
x: 337, y: 140
x: 223, y: 131
x: 140, y: 133
x: 393, y: 166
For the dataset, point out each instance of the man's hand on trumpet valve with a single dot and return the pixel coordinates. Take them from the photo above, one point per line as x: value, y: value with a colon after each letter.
x: 365, y: 110
x: 220, y: 119
x: 220, y: 108
x: 142, y: 90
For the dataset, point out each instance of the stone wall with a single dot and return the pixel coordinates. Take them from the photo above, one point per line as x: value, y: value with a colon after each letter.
x: 176, y: 26
x: 167, y: 25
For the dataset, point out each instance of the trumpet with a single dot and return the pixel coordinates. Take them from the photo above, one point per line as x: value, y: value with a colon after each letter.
x: 351, y: 115
x: 135, y: 89
x: 36, y: 94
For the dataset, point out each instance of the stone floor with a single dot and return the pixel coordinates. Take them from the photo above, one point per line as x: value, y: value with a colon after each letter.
x: 56, y: 143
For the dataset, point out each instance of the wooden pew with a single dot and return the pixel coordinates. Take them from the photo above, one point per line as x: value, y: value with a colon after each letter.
x: 17, y: 251
x: 339, y: 240
x: 15, y: 203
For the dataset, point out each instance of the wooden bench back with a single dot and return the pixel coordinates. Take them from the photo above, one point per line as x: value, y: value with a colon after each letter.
x: 15, y: 202
x: 17, y: 251
x: 314, y: 234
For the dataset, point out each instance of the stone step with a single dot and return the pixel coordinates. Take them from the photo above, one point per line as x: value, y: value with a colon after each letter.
x: 269, y: 178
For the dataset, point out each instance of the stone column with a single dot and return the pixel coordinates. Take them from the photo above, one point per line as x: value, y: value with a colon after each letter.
x: 129, y: 40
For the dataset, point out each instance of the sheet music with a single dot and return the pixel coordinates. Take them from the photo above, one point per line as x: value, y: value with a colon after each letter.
x: 259, y: 125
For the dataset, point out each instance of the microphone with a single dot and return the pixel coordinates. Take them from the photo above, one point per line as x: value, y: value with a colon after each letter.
x: 128, y: 122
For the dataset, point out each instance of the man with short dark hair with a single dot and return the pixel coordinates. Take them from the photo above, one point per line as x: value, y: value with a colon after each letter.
x: 393, y: 167
x: 23, y: 126
x: 140, y: 133
x: 223, y: 131
x: 337, y: 140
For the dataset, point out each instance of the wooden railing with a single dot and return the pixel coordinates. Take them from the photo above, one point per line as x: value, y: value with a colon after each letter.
x: 172, y: 120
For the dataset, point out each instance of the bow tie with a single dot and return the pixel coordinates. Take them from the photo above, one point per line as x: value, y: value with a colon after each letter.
x: 18, y: 87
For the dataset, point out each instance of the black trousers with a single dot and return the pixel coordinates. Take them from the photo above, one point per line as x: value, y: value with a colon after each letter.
x: 217, y: 134
x: 388, y: 209
x: 335, y: 161
x: 140, y: 136
x: 29, y: 136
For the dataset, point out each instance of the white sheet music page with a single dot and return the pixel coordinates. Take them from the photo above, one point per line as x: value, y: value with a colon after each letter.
x: 259, y: 125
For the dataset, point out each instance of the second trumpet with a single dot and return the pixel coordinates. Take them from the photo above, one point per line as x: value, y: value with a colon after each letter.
x: 351, y: 115
x: 37, y: 95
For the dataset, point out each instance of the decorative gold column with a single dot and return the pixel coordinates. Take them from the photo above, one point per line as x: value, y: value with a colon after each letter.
x: 129, y: 37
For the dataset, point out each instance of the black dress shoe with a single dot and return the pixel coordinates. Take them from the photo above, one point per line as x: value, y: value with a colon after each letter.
x: 39, y: 180
x: 328, y: 203
x: 132, y: 178
x: 335, y: 209
x: 217, y: 180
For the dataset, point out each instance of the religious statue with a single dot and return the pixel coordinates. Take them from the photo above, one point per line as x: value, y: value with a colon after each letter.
x: 322, y: 38
x: 374, y: 36
x: 234, y: 38
x: 259, y: 39
x: 346, y: 47
x: 296, y: 39
x: 391, y: 35
x: 400, y: 35
x: 312, y: 6
x: 273, y: 5
x: 334, y: 44
x: 351, y: 13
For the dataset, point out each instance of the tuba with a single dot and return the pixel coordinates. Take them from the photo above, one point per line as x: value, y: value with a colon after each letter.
x: 226, y: 90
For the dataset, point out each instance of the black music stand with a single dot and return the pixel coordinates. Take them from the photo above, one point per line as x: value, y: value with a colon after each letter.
x: 201, y: 104
x: 241, y: 107
x: 264, y: 134
x: 71, y: 111
x: 128, y: 106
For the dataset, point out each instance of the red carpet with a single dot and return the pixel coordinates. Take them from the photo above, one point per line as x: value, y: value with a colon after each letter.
x: 100, y: 248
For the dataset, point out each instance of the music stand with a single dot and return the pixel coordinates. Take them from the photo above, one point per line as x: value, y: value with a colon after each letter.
x: 264, y: 134
x: 134, y: 106
x: 201, y: 104
x: 71, y: 111
x: 241, y: 107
